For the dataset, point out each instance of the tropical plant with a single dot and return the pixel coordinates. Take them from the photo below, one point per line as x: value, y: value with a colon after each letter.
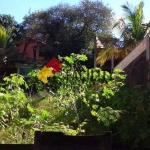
x: 132, y: 27
x: 3, y: 37
x: 82, y: 95
x: 10, y: 26
x: 78, y: 101
x: 112, y: 52
x: 14, y: 34
x: 131, y: 30
x: 76, y: 98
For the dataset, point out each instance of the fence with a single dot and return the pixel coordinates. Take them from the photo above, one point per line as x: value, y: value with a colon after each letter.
x: 59, y: 141
x: 16, y: 147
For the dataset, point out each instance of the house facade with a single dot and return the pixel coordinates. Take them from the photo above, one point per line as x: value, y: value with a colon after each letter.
x: 29, y: 57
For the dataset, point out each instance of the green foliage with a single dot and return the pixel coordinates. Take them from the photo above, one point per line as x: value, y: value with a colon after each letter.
x: 3, y: 37
x: 11, y: 36
x: 12, y: 98
x: 72, y: 28
x: 79, y: 101
x: 132, y: 31
x: 133, y: 126
x: 82, y: 94
x: 131, y: 26
x: 33, y: 82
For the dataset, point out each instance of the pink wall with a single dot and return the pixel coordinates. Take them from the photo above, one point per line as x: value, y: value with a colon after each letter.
x: 28, y: 51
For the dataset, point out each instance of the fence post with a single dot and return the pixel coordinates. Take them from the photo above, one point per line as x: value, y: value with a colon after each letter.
x: 37, y: 140
x: 108, y: 140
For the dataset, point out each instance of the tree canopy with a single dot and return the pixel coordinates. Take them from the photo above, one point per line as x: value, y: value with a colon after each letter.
x: 67, y: 28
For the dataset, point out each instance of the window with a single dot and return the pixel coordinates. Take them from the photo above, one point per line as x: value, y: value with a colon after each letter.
x: 24, y: 71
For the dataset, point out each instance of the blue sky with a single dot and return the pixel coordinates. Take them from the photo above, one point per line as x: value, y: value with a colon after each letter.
x: 18, y: 8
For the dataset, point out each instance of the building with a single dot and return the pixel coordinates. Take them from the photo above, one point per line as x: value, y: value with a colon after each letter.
x: 29, y: 56
x: 137, y: 64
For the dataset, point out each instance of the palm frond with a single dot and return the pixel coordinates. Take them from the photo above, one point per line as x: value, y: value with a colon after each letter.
x: 128, y: 11
x: 110, y: 52
x: 132, y: 22
x: 3, y: 36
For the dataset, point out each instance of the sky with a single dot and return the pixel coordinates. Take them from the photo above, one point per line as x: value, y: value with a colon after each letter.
x: 19, y: 8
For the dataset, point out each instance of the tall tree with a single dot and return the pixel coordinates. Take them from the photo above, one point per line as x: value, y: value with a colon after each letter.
x: 68, y: 28
x: 132, y: 27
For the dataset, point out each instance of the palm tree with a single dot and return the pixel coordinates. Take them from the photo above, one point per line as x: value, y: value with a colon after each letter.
x: 132, y: 31
x: 11, y: 35
x: 3, y: 39
x: 133, y: 28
